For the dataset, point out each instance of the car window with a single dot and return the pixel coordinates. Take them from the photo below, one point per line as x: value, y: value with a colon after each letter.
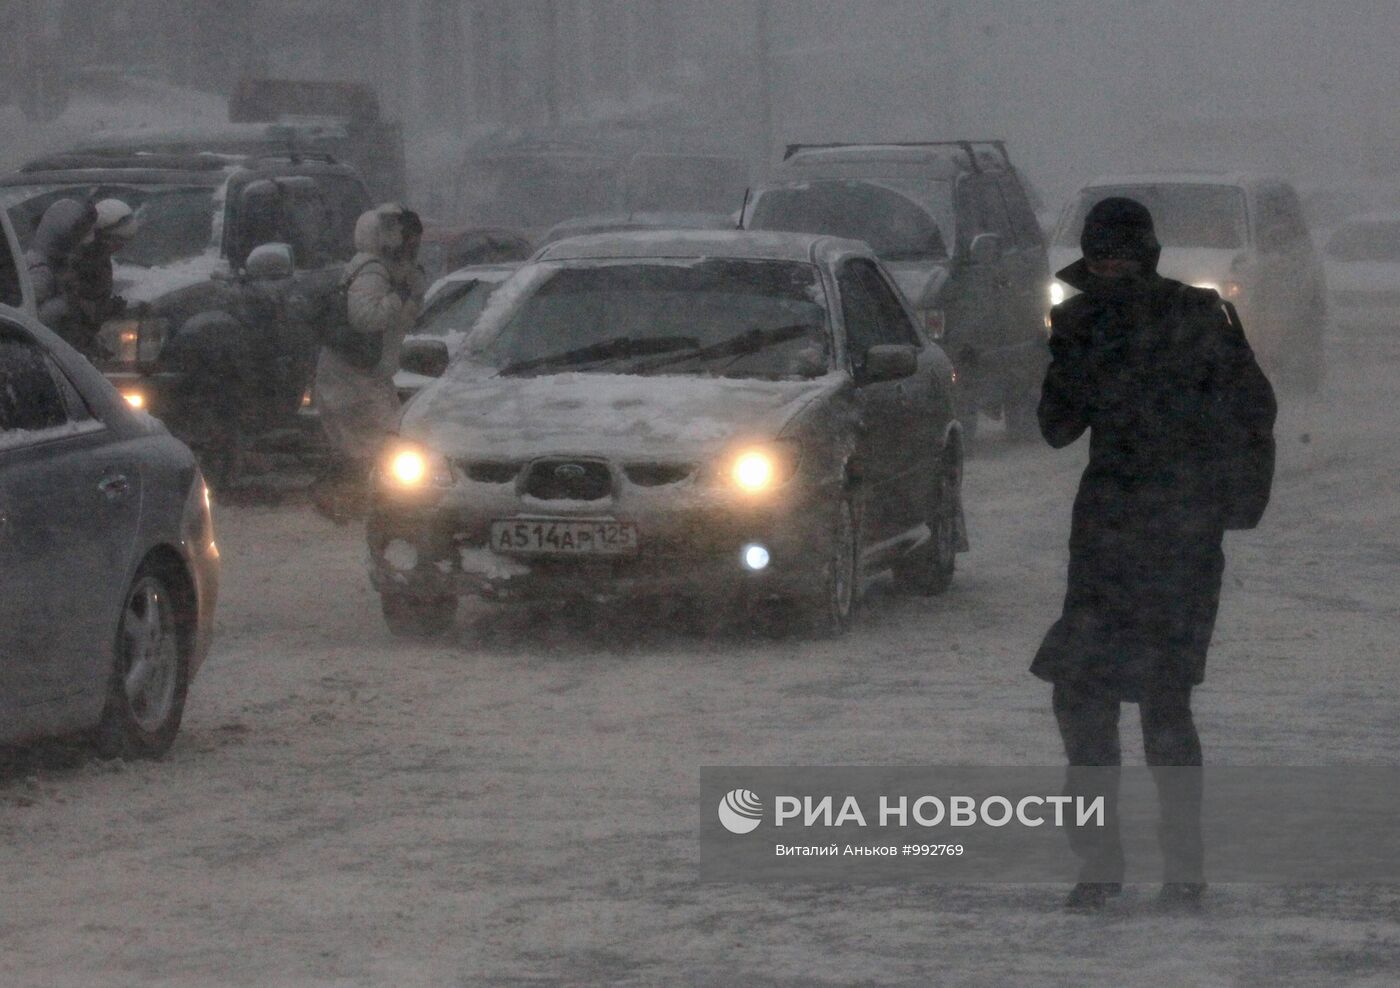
x: 1024, y: 225
x: 993, y: 210
x: 31, y: 403
x: 456, y: 309
x: 872, y: 313
x: 1184, y: 215
x: 895, y: 227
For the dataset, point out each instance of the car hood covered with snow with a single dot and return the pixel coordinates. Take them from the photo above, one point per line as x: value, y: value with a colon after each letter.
x: 139, y: 284
x: 656, y: 416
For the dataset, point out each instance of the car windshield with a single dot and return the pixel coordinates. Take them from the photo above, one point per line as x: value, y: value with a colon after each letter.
x: 895, y: 227
x: 712, y: 317
x: 1210, y: 216
x: 456, y: 309
x: 176, y: 222
x: 1373, y: 241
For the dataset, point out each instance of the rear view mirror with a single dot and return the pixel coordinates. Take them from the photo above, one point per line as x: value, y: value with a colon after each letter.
x: 985, y: 249
x: 889, y: 362
x: 426, y: 357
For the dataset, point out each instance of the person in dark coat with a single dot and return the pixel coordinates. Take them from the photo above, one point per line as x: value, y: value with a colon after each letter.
x: 1181, y: 448
x: 66, y: 228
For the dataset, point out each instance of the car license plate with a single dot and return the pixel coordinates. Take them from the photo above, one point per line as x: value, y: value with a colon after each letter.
x: 564, y: 537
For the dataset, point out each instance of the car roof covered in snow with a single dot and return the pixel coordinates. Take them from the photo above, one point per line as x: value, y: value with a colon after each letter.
x: 736, y: 244
x: 1244, y: 180
x: 857, y: 160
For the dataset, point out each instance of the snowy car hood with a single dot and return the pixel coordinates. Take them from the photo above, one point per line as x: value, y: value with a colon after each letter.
x: 920, y: 281
x: 138, y: 284
x: 658, y: 416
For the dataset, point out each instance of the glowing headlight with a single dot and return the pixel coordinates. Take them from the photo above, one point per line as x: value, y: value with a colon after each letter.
x: 135, y: 399
x: 408, y: 467
x: 754, y: 470
x: 1057, y: 293
x: 762, y: 468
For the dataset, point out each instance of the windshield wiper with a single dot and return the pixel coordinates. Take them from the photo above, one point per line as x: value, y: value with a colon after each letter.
x: 621, y: 346
x: 738, y: 346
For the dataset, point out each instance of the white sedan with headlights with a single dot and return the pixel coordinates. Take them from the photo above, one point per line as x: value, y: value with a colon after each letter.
x: 728, y: 415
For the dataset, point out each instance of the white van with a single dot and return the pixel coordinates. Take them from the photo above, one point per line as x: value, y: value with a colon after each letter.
x: 1242, y: 235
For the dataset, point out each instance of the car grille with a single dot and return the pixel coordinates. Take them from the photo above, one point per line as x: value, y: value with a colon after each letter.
x: 568, y: 480
x: 657, y: 474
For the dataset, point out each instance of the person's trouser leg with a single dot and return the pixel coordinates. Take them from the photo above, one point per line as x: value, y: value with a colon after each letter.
x: 1173, y: 749
x: 1087, y: 716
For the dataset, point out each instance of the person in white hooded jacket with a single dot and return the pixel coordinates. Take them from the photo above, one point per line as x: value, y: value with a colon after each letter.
x: 354, y: 390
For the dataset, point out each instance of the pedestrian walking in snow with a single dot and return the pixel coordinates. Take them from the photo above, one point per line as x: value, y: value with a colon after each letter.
x: 354, y: 390
x: 1181, y: 449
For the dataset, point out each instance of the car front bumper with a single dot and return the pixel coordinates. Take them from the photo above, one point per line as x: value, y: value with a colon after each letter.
x: 689, y: 545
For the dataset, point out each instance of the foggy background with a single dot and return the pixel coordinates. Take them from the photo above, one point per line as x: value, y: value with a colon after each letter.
x: 1078, y: 87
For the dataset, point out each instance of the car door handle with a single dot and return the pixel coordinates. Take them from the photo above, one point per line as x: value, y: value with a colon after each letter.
x: 114, y: 486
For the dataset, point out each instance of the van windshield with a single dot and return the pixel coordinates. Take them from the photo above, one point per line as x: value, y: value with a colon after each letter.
x: 1210, y: 216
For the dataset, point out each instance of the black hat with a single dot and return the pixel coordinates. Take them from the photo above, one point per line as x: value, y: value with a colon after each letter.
x: 1119, y: 227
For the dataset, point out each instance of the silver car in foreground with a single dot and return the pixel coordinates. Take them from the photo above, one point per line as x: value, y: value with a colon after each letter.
x: 740, y: 417
x: 108, y: 566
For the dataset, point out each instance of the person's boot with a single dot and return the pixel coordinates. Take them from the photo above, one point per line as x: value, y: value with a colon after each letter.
x: 1182, y: 898
x: 1091, y: 897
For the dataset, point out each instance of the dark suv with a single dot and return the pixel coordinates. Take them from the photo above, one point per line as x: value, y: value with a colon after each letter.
x: 954, y: 225
x: 222, y: 350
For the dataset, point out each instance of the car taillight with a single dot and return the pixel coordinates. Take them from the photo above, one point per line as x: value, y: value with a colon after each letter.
x: 933, y: 323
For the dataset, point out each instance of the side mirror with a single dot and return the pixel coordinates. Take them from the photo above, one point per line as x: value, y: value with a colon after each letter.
x: 985, y: 249
x: 269, y: 262
x: 426, y: 357
x: 889, y: 362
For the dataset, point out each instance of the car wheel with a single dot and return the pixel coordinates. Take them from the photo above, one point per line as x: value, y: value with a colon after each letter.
x: 928, y: 570
x: 417, y: 617
x: 832, y: 612
x: 146, y: 694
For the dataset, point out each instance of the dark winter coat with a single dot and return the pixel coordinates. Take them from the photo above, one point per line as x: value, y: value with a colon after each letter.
x: 1181, y: 448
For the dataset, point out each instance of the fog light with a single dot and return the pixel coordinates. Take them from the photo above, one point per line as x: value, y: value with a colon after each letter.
x: 756, y: 557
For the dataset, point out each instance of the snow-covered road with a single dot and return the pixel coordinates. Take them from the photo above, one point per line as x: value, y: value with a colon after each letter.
x: 517, y: 807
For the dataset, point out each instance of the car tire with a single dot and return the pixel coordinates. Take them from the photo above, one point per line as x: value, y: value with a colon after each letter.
x: 831, y: 613
x: 408, y: 616
x: 928, y: 570
x: 150, y: 672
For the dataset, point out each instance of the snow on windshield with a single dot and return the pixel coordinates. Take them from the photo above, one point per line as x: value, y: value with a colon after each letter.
x: 697, y: 305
